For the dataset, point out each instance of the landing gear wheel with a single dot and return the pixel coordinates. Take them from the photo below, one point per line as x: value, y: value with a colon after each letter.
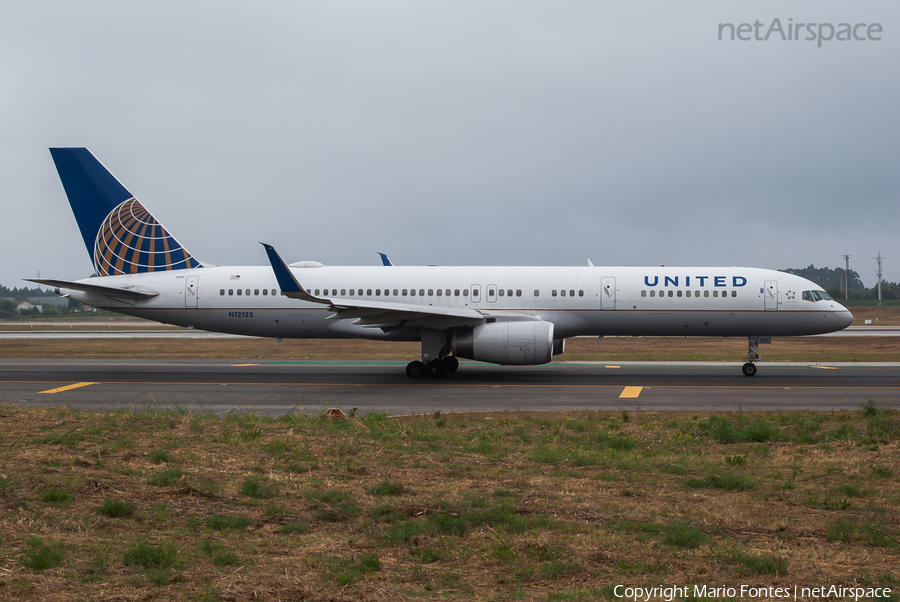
x: 434, y: 369
x: 450, y: 364
x: 415, y: 369
x: 749, y: 369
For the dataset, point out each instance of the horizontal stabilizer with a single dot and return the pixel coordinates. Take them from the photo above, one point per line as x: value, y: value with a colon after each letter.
x: 131, y: 293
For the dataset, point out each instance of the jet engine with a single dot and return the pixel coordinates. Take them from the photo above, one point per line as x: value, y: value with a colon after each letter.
x: 518, y: 342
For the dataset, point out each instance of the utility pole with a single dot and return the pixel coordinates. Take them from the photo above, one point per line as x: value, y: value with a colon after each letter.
x: 846, y: 276
x: 878, y: 260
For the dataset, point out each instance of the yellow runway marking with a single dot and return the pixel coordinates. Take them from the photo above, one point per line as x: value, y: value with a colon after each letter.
x: 239, y: 365
x: 61, y: 389
x: 631, y: 392
x: 825, y: 367
x: 614, y: 366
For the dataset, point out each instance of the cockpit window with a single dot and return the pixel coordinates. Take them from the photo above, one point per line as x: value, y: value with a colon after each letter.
x: 817, y: 295
x: 807, y: 296
x: 825, y: 295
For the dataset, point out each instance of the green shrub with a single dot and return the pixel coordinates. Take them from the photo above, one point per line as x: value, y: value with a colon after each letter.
x: 166, y: 478
x: 40, y: 557
x: 256, y: 488
x: 56, y: 496
x: 220, y: 523
x: 115, y: 509
x: 762, y: 565
x: 388, y: 488
x: 840, y: 530
x: 683, y: 535
x: 151, y: 557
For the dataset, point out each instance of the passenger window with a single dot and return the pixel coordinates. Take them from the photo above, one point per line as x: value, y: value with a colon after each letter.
x: 687, y: 293
x: 256, y: 292
x: 518, y: 292
x: 405, y: 292
x: 222, y: 292
x: 240, y: 292
x: 696, y: 293
x: 230, y: 292
x: 265, y: 292
x: 448, y: 292
x: 377, y: 292
x: 652, y: 293
x: 679, y: 293
x: 316, y: 293
x: 643, y: 293
x: 715, y: 293
x: 456, y: 292
x: 396, y: 292
x: 706, y: 293
x: 562, y: 293
x: 343, y: 292
x: 581, y: 293
x: 368, y: 292
x: 509, y: 292
x: 466, y: 292
x: 412, y: 292
x: 351, y: 292
x: 553, y: 293
x: 334, y: 292
x: 537, y: 293
x: 430, y: 292
x: 501, y: 292
x: 248, y: 292
x: 734, y: 293
x: 571, y: 293
x: 440, y: 293
x: 671, y: 293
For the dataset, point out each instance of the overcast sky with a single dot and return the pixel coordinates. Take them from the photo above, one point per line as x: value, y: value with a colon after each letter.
x: 456, y: 133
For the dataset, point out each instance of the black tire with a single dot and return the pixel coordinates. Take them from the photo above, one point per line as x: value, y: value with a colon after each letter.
x: 415, y: 369
x: 450, y: 364
x: 749, y: 369
x: 434, y: 369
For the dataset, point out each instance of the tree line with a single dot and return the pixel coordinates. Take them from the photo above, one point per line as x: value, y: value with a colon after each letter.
x: 832, y: 280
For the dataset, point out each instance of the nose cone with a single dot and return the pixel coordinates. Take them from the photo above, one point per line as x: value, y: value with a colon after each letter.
x: 843, y: 317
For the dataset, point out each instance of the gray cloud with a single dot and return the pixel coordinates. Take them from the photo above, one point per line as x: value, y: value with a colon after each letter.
x: 457, y: 133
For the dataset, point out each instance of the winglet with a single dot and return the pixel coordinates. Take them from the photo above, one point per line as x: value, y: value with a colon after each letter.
x: 385, y: 259
x: 286, y: 281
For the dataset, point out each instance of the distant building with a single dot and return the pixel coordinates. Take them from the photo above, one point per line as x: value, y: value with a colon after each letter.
x: 25, y: 306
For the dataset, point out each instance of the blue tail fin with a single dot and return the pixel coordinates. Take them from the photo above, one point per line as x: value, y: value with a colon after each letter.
x: 119, y: 234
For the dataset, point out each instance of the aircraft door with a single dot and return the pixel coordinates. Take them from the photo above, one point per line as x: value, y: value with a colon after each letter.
x: 607, y: 293
x: 770, y: 292
x: 192, y: 292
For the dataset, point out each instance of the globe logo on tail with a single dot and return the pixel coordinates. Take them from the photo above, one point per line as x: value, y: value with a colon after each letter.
x: 131, y: 241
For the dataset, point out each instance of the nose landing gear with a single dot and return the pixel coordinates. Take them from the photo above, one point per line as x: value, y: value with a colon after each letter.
x: 749, y: 368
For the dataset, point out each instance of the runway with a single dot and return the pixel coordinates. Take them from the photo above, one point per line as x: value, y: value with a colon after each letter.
x: 278, y: 387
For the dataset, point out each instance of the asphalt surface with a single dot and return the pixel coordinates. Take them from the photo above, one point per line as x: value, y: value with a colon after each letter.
x: 277, y: 387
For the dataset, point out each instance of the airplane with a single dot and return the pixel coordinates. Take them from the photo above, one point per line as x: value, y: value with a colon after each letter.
x: 513, y: 315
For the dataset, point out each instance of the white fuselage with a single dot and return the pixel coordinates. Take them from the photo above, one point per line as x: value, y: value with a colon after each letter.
x: 640, y: 301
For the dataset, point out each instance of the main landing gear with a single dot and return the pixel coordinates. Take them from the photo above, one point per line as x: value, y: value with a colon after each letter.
x: 436, y: 360
x: 434, y: 369
x: 749, y: 369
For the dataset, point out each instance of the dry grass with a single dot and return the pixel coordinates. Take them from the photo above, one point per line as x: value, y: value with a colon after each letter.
x: 534, y: 506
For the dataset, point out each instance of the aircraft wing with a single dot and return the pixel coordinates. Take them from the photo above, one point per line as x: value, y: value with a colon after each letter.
x: 129, y: 293
x: 374, y: 314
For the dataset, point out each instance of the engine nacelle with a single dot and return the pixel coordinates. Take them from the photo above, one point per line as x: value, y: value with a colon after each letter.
x: 518, y: 343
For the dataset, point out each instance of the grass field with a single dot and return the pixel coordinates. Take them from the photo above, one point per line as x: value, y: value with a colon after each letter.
x: 499, y: 506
